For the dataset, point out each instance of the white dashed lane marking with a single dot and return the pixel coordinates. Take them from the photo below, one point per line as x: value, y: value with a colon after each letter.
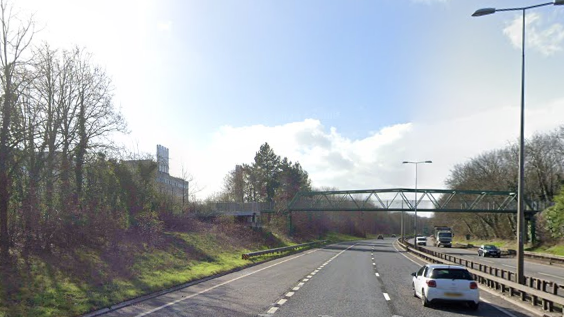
x: 282, y: 301
x: 386, y: 296
x: 556, y: 276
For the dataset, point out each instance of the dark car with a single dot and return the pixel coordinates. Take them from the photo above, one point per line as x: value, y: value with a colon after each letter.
x: 489, y: 250
x: 381, y: 237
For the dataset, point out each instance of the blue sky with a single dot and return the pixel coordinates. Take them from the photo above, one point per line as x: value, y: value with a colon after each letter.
x: 348, y: 88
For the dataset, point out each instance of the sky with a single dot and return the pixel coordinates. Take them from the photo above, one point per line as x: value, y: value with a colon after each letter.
x: 350, y: 89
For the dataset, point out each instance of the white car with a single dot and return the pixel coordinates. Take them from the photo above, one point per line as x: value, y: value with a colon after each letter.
x: 445, y: 283
x: 421, y: 241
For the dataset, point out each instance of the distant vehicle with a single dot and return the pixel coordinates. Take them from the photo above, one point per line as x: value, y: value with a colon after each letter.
x: 489, y: 250
x: 445, y: 283
x: 393, y: 235
x: 443, y: 236
x: 380, y: 237
x: 421, y: 241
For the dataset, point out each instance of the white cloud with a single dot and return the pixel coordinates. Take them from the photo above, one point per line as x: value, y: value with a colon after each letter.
x: 545, y: 38
x: 333, y: 160
x: 165, y: 26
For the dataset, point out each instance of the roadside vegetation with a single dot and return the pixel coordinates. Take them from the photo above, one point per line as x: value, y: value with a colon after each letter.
x: 496, y: 170
x: 84, y: 226
x: 73, y: 282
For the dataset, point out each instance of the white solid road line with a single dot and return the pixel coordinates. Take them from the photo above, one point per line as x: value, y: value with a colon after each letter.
x: 498, y: 308
x: 556, y: 276
x: 405, y: 256
x: 218, y: 285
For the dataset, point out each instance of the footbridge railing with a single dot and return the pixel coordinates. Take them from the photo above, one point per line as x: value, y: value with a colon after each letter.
x: 401, y: 199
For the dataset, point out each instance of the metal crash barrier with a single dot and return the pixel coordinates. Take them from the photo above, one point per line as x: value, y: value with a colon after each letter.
x: 537, y: 292
x: 249, y: 255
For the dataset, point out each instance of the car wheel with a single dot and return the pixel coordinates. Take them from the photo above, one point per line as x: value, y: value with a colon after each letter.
x: 424, y: 300
x: 473, y: 306
x: 414, y: 292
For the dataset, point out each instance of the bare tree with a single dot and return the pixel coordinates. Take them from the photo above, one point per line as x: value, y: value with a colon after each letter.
x: 15, y: 40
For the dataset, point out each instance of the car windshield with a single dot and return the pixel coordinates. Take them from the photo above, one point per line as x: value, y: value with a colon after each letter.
x: 445, y: 235
x: 451, y: 274
x: 490, y: 247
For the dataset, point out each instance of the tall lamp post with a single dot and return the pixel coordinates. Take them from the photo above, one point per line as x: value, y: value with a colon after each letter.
x: 415, y: 204
x: 521, y: 181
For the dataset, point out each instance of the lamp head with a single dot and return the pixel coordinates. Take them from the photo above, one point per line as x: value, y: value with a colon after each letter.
x: 486, y: 11
x: 428, y: 162
x: 558, y: 2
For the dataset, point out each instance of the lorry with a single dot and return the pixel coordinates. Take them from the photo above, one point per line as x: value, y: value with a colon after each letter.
x: 443, y: 236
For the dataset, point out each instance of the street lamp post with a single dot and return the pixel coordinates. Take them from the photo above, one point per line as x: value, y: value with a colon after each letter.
x: 415, y: 204
x: 521, y: 181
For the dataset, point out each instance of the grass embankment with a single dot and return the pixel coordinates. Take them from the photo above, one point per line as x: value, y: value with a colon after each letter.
x: 70, y: 283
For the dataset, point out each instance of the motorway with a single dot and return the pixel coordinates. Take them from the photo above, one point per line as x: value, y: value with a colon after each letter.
x: 547, y: 272
x: 361, y: 278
